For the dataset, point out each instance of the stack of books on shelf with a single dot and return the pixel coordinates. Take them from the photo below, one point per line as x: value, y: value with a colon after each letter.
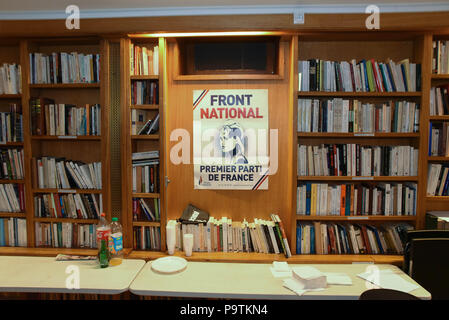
x: 437, y: 220
x: 68, y: 235
x: 440, y: 59
x: 363, y: 76
x: 142, y: 123
x: 144, y: 60
x: 339, y: 115
x: 146, y: 172
x: 48, y: 118
x: 147, y: 238
x: 357, y: 160
x: 11, y: 124
x: 329, y: 238
x: 387, y: 199
x: 12, y: 198
x: 64, y: 67
x: 146, y: 209
x: 51, y: 172
x: 144, y: 92
x: 438, y: 139
x: 437, y: 180
x: 439, y: 100
x: 10, y: 79
x: 226, y: 235
x: 72, y: 205
x: 13, y: 232
x: 11, y: 162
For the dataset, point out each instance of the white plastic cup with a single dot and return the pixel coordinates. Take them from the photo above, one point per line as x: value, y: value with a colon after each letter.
x: 188, y: 244
x: 171, y: 238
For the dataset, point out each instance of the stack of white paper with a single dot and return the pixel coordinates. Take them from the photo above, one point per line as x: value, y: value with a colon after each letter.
x: 388, y: 279
x: 311, y: 277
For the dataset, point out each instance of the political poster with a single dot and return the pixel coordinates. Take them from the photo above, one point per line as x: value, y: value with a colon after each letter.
x: 230, y: 139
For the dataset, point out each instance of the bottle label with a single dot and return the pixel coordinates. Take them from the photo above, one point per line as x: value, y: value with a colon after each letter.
x: 116, y: 243
x: 103, y: 234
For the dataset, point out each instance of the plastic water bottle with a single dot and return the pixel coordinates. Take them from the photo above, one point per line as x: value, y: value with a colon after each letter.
x: 116, y: 243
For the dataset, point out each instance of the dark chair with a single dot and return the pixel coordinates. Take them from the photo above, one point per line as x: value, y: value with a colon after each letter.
x: 419, y: 234
x: 386, y: 294
x: 429, y: 265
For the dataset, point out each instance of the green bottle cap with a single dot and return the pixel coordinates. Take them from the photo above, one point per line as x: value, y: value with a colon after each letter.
x: 114, y: 219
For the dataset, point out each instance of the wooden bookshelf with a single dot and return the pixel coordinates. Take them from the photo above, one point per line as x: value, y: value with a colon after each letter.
x: 345, y: 47
x: 11, y: 52
x: 76, y: 148
x: 432, y: 203
x: 141, y: 143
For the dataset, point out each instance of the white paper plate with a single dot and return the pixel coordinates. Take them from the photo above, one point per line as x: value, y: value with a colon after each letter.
x: 169, y: 264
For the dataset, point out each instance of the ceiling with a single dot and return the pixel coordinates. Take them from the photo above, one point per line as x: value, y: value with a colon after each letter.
x: 51, y: 9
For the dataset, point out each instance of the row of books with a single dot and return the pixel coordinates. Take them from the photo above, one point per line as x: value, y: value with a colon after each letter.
x: 438, y: 139
x: 388, y: 199
x: 440, y: 59
x: 357, y: 160
x: 439, y: 100
x: 226, y: 235
x: 11, y: 124
x: 144, y: 60
x: 338, y: 115
x: 329, y: 238
x: 145, y: 171
x: 71, y: 205
x: 146, y: 209
x: 64, y: 67
x: 11, y: 162
x: 147, y: 238
x: 13, y: 232
x: 363, y: 76
x: 144, y: 92
x: 12, y: 197
x: 48, y: 118
x: 437, y: 220
x: 437, y: 180
x: 65, y: 235
x: 10, y: 78
x: 142, y: 122
x: 51, y: 172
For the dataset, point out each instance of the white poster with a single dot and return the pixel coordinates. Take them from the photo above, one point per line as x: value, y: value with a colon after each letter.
x: 230, y: 139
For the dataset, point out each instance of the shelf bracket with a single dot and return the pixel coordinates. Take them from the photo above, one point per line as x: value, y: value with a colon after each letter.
x: 298, y: 16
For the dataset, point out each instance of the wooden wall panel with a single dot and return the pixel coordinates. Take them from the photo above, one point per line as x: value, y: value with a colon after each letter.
x: 232, y: 204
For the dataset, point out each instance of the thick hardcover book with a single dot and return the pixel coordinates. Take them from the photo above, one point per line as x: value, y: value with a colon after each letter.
x: 192, y: 215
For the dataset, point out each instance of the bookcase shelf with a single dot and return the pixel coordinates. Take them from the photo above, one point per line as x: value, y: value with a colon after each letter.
x: 356, y: 178
x: 355, y: 218
x: 12, y: 181
x: 440, y: 76
x: 145, y: 137
x: 66, y: 220
x: 12, y: 214
x: 149, y: 77
x: 62, y: 191
x: 66, y: 86
x: 437, y: 198
x: 437, y: 159
x: 439, y: 118
x: 340, y: 94
x: 374, y: 135
x: 146, y: 223
x: 145, y: 106
x: 62, y: 138
x: 146, y: 195
x: 11, y: 144
x: 10, y: 96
